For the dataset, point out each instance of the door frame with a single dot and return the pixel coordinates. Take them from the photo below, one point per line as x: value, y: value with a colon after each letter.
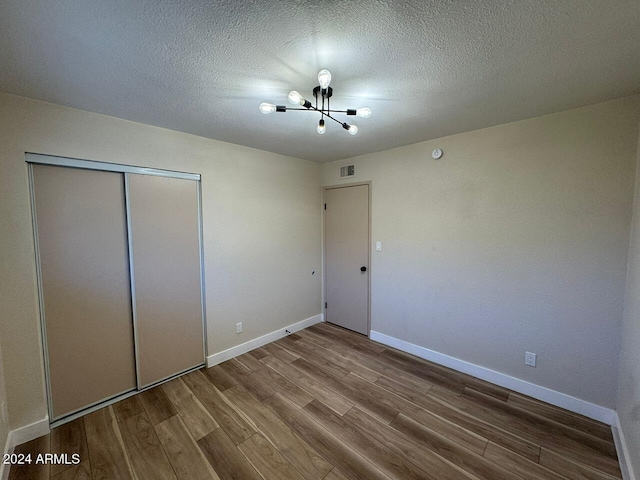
x: 324, y: 252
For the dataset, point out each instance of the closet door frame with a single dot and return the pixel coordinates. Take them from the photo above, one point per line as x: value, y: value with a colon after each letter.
x: 35, y: 158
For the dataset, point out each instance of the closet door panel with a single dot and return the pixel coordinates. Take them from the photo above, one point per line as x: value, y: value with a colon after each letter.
x: 84, y: 269
x: 165, y: 246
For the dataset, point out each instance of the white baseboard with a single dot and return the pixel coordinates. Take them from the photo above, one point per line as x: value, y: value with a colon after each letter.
x: 562, y: 400
x: 29, y: 432
x: 20, y: 436
x: 232, y: 352
x: 623, y: 450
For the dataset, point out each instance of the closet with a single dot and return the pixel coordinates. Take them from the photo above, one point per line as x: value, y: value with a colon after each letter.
x: 119, y: 263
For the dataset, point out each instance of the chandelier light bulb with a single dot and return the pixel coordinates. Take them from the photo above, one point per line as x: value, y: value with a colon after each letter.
x: 321, y: 127
x: 296, y: 98
x: 363, y: 112
x: 324, y: 77
x: 267, y: 108
x: 352, y: 129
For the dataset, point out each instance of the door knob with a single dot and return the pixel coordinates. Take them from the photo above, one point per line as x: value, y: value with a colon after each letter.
x: 363, y: 269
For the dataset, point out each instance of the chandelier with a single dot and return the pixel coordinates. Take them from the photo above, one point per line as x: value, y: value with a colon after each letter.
x: 322, y: 94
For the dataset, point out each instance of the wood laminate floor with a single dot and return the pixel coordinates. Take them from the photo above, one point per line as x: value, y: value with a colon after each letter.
x: 326, y: 403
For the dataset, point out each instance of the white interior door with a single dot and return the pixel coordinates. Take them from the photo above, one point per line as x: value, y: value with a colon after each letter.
x: 346, y: 239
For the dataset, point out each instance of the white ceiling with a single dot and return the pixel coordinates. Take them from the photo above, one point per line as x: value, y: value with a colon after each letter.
x: 427, y: 68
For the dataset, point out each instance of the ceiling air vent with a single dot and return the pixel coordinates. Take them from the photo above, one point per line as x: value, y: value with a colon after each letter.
x: 348, y: 171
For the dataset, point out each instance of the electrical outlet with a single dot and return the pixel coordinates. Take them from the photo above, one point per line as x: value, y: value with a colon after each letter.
x: 530, y: 359
x: 239, y: 327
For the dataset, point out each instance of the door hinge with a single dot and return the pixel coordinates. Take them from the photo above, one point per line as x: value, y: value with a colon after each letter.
x: 325, y: 206
x: 325, y: 304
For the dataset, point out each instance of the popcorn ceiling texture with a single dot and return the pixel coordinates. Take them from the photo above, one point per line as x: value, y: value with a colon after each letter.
x: 426, y: 68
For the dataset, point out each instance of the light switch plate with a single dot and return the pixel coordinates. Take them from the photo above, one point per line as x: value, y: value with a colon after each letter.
x: 378, y: 246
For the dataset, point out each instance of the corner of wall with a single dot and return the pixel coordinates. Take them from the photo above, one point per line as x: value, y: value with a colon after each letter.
x: 627, y: 429
x: 22, y: 435
x: 5, y: 434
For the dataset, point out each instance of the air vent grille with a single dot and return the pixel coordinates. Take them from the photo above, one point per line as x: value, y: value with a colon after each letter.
x: 347, y: 171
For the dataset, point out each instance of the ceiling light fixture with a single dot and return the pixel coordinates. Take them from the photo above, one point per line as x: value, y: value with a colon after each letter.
x: 322, y: 94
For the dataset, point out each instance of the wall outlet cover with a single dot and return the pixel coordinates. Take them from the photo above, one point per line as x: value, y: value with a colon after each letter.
x: 530, y: 359
x: 239, y: 327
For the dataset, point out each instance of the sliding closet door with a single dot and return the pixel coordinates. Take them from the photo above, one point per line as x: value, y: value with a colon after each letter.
x: 85, y: 291
x: 165, y: 249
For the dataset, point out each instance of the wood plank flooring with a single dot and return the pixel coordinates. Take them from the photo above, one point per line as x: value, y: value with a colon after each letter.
x: 326, y: 403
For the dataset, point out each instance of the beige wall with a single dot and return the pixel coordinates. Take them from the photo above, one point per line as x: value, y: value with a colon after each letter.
x: 629, y: 380
x: 516, y: 240
x: 261, y: 229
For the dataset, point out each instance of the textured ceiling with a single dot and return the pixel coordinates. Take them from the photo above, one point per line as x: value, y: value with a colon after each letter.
x: 427, y: 68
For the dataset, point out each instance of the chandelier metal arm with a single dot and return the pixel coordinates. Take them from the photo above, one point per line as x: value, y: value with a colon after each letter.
x: 324, y: 113
x: 313, y: 109
x: 334, y: 119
